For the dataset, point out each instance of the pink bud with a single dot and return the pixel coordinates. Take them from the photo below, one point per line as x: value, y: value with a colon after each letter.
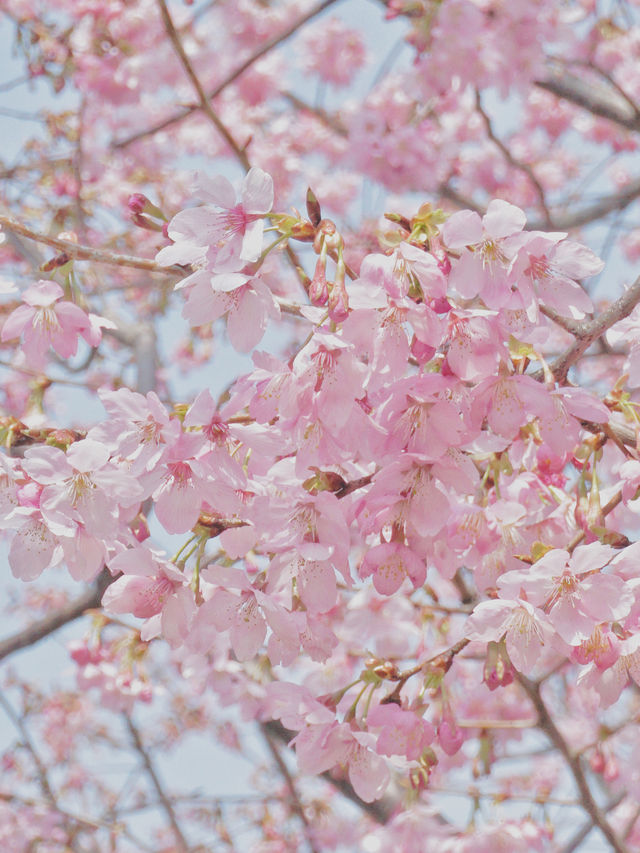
x: 318, y: 289
x: 450, y: 737
x: 79, y: 653
x: 338, y: 304
x: 137, y: 203
x: 597, y: 762
x: 140, y: 528
x: 498, y: 669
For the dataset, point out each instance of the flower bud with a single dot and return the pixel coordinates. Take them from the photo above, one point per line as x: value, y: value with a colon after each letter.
x: 338, y: 299
x: 318, y: 289
x: 139, y: 203
x: 498, y: 669
x: 450, y: 736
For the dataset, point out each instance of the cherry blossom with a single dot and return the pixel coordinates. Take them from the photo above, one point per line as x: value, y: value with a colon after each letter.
x: 44, y: 321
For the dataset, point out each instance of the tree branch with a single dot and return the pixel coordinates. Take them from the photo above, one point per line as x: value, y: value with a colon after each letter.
x: 85, y: 253
x: 380, y: 810
x: 546, y: 723
x: 231, y: 78
x: 43, y: 627
x: 205, y: 105
x: 589, y: 332
x: 284, y: 771
x: 605, y: 101
x: 522, y: 167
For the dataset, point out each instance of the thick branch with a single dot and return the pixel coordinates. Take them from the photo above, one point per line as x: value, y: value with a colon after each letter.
x: 178, y: 116
x: 589, y: 332
x: 546, y: 723
x: 43, y: 627
x: 592, y: 95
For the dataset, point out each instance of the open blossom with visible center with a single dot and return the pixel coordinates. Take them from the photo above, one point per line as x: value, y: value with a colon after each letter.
x: 485, y: 257
x: 572, y: 590
x: 45, y: 321
x: 81, y: 486
x: 154, y: 589
x: 549, y: 267
x: 200, y: 233
x: 528, y: 630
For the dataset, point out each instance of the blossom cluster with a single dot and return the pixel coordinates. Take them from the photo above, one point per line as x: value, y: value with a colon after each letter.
x: 404, y: 439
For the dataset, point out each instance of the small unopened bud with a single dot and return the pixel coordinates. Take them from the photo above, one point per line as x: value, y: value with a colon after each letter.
x: 139, y: 203
x: 313, y: 208
x: 450, y: 736
x: 140, y: 528
x: 498, y: 669
x: 441, y: 256
x: 324, y: 481
x: 319, y: 289
x: 338, y: 299
x: 303, y: 230
x: 55, y: 263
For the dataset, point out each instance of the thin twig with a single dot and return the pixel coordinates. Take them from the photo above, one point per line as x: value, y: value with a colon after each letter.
x: 37, y: 631
x: 517, y: 164
x: 599, y: 100
x: 286, y: 775
x: 232, y: 77
x: 86, y: 253
x: 205, y: 104
x: 588, y: 332
x: 165, y: 802
x: 380, y: 810
x: 42, y: 774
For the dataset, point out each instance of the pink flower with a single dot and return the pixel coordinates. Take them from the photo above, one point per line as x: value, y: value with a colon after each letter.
x: 236, y: 226
x: 321, y: 747
x: 553, y: 266
x: 82, y: 486
x: 45, y: 321
x: 484, y: 264
x: 403, y: 732
x: 527, y: 628
x: 333, y: 51
x: 246, y: 301
x: 390, y: 563
x: 153, y: 589
x: 574, y: 593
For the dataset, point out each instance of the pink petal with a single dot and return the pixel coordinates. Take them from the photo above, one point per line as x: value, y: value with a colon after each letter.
x: 217, y: 190
x: 368, y: 773
x: 246, y: 321
x: 31, y: 550
x: 16, y: 321
x: 462, y: 229
x: 257, y: 191
x: 503, y: 219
